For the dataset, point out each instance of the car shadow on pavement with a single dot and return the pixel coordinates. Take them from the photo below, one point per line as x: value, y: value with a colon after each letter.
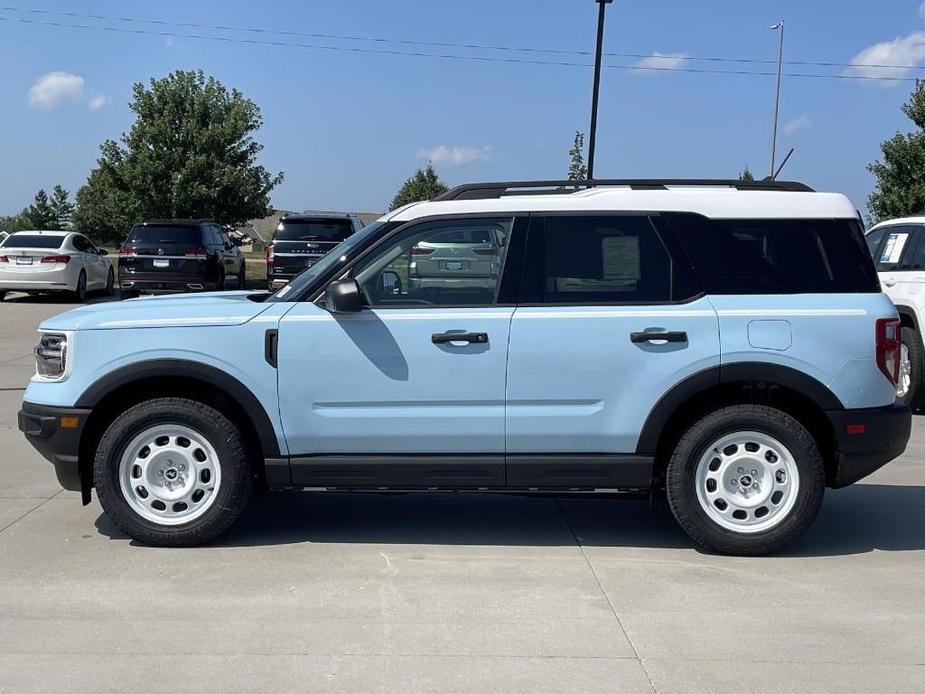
x: 852, y: 521
x: 94, y: 297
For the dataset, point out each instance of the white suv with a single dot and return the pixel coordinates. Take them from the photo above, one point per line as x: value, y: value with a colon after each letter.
x: 898, y: 248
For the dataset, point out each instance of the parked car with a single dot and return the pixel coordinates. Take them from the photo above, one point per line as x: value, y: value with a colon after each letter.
x: 300, y: 240
x: 3, y: 236
x: 53, y: 261
x: 179, y: 255
x: 724, y: 342
x: 898, y: 248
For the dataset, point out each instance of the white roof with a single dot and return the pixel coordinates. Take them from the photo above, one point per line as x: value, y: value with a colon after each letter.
x: 900, y: 220
x: 42, y: 232
x: 713, y: 202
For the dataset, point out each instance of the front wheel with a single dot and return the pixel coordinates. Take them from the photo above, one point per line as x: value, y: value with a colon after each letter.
x: 745, y: 480
x: 172, y: 472
x: 110, y: 282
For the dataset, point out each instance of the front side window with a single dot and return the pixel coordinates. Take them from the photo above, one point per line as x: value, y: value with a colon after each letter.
x: 441, y: 263
x: 81, y: 244
x: 609, y: 260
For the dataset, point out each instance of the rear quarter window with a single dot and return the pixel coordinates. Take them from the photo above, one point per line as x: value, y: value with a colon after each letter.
x: 777, y: 256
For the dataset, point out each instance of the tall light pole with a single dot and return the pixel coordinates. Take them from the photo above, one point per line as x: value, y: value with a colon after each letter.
x: 592, y: 134
x: 780, y: 61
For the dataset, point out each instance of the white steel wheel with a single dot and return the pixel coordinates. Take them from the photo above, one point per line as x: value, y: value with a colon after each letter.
x: 169, y: 474
x: 905, y: 372
x: 747, y: 482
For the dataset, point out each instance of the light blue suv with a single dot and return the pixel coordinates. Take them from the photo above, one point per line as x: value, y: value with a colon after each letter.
x: 725, y: 342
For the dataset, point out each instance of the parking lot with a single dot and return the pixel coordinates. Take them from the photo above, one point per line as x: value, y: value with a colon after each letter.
x: 451, y: 592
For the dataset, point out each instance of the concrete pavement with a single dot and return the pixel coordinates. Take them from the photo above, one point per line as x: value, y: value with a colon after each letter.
x: 414, y: 593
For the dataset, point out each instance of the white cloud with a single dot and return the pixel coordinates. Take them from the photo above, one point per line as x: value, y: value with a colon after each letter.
x: 905, y: 51
x: 455, y: 156
x: 97, y: 102
x: 662, y: 61
x: 797, y: 124
x: 53, y: 88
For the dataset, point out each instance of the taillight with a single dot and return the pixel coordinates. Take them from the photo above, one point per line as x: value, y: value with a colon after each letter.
x: 127, y: 250
x: 4, y: 259
x: 269, y: 254
x: 196, y: 253
x: 56, y: 259
x: 494, y: 250
x: 888, y: 350
x: 417, y: 250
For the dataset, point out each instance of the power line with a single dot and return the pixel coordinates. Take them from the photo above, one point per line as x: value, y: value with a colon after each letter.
x: 442, y: 56
x: 443, y: 44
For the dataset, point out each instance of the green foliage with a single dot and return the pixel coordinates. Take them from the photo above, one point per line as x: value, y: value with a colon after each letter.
x: 190, y: 153
x: 746, y: 174
x: 900, y: 187
x: 62, y: 209
x: 424, y: 184
x: 40, y: 213
x: 44, y: 213
x: 577, y: 170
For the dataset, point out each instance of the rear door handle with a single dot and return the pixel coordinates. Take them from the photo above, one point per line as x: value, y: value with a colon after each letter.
x: 443, y: 338
x: 666, y: 336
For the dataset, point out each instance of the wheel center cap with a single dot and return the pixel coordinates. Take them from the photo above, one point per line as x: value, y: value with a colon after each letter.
x: 745, y: 480
x: 171, y: 473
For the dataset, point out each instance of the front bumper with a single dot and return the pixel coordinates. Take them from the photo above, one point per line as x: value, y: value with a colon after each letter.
x: 55, y: 433
x: 867, y: 440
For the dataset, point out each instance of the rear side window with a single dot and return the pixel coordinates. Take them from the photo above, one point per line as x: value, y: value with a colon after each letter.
x: 313, y: 230
x: 33, y: 241
x: 166, y: 234
x: 777, y: 256
x: 606, y: 260
x: 894, y: 251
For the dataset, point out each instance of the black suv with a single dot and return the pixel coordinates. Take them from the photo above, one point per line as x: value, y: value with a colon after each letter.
x: 301, y: 239
x: 179, y: 255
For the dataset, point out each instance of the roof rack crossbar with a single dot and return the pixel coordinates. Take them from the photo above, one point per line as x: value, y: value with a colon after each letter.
x: 497, y: 189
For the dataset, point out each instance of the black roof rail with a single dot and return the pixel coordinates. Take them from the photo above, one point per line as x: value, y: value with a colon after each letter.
x: 482, y: 191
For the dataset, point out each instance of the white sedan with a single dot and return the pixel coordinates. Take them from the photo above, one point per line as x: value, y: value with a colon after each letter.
x: 53, y: 261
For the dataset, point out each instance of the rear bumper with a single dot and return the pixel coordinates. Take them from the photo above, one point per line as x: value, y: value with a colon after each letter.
x: 55, y: 433
x: 881, y: 434
x: 153, y: 283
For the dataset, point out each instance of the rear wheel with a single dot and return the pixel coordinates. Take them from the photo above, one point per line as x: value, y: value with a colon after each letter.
x: 911, y: 369
x: 110, y: 281
x: 242, y: 276
x: 80, y: 291
x: 220, y: 282
x: 745, y: 480
x: 172, y: 472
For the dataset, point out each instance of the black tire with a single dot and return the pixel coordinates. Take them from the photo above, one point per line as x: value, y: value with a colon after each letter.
x: 681, y: 480
x: 236, y: 472
x: 110, y: 282
x: 220, y: 282
x: 2, y: 294
x: 80, y: 292
x: 242, y: 276
x: 915, y: 397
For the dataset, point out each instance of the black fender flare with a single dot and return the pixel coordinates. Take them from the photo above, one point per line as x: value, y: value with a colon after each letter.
x: 198, y: 371
x: 716, y: 376
x: 905, y: 310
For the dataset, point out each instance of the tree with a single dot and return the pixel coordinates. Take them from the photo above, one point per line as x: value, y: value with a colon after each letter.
x: 900, y: 187
x: 40, y: 213
x: 424, y: 184
x: 62, y: 208
x: 190, y: 153
x: 577, y: 170
x: 746, y: 174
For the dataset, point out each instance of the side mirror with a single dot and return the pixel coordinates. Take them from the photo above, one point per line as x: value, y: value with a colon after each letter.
x: 102, y: 251
x: 343, y: 296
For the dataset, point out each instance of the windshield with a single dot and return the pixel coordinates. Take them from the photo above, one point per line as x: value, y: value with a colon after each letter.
x: 336, y: 256
x: 313, y: 230
x: 33, y: 241
x: 159, y: 235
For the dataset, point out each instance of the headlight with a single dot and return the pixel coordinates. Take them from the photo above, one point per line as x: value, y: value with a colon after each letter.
x: 51, y: 356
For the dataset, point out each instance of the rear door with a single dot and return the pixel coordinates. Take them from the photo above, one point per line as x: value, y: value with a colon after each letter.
x: 609, y: 319
x: 900, y: 260
x: 91, y: 261
x: 410, y: 390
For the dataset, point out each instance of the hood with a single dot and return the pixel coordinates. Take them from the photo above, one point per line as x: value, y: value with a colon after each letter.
x: 170, y: 311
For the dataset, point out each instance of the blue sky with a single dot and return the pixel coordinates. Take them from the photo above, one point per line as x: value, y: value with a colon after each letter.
x: 347, y: 128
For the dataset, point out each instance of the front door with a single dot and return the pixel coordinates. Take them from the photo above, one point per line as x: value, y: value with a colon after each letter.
x: 608, y: 321
x: 408, y: 392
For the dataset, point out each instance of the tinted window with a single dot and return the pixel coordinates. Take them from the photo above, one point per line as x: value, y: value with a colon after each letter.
x: 445, y: 263
x: 914, y: 257
x: 612, y: 260
x: 33, y: 241
x: 777, y: 256
x: 873, y: 241
x: 313, y: 230
x: 81, y: 244
x: 895, y: 244
x: 167, y: 234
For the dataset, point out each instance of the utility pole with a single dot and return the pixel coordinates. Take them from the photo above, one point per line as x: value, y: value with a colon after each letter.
x: 592, y: 134
x: 780, y: 61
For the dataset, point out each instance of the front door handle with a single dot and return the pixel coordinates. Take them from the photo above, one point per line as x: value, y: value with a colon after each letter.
x: 443, y: 338
x: 665, y: 336
x: 889, y: 281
